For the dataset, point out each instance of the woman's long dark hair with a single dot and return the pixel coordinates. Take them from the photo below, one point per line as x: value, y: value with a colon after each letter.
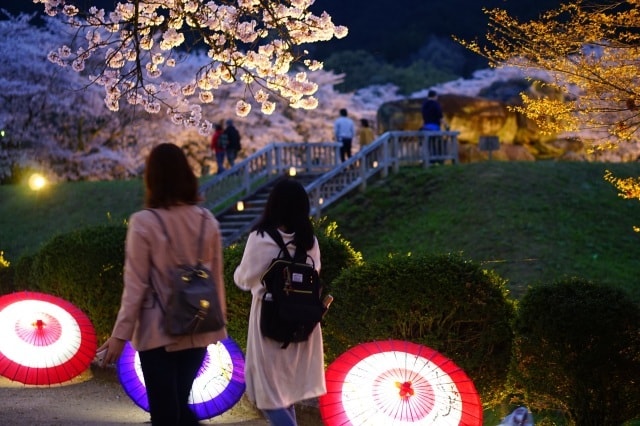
x: 288, y: 207
x: 168, y: 178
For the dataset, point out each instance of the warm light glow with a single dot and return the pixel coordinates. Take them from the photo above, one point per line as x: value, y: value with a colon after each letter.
x: 292, y: 171
x: 374, y: 164
x: 428, y: 382
x: 321, y: 201
x: 37, y: 182
x: 34, y: 317
x: 240, y: 206
x: 213, y: 377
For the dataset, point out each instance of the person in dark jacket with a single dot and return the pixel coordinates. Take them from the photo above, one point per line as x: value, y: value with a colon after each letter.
x: 431, y: 112
x: 218, y: 147
x: 233, y: 142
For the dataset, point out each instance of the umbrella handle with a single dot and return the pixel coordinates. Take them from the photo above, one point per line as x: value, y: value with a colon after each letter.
x: 326, y: 302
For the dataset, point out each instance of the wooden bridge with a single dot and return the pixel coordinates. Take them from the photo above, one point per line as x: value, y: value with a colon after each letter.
x: 238, y: 195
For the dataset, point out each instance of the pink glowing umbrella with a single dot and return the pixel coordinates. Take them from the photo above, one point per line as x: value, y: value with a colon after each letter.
x: 398, y: 383
x: 44, y: 339
x: 219, y: 384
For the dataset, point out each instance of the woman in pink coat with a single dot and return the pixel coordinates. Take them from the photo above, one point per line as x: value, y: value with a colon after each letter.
x: 169, y: 363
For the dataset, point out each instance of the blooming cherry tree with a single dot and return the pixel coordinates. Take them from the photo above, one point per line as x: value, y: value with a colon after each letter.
x: 590, y: 52
x: 256, y: 42
x: 52, y: 123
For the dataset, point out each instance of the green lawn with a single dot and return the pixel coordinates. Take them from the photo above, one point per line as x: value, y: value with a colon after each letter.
x: 28, y: 218
x: 530, y: 222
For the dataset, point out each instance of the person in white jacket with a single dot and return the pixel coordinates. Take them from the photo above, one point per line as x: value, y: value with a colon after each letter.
x: 344, y: 130
x: 277, y: 378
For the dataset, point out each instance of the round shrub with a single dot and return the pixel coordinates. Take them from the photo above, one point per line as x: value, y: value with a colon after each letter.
x: 577, y: 349
x: 238, y: 301
x: 336, y: 252
x: 441, y: 301
x: 6, y: 275
x: 84, y: 267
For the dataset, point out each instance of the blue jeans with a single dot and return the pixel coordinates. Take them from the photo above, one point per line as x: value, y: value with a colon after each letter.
x: 231, y: 156
x: 281, y: 416
x: 168, y: 377
x: 220, y: 161
x: 431, y: 126
x: 345, y: 149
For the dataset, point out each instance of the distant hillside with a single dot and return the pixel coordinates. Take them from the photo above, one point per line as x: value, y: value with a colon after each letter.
x: 396, y: 33
x: 531, y: 222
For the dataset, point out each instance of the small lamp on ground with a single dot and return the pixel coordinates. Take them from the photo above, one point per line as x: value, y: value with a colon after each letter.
x: 37, y: 182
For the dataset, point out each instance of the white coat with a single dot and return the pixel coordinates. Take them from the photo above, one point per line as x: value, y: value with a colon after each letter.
x: 276, y: 377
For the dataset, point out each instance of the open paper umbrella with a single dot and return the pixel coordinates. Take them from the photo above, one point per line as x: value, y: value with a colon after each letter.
x: 398, y: 383
x: 44, y: 339
x: 219, y: 384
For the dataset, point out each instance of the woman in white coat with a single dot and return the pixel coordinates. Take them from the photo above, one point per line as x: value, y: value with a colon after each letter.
x: 277, y: 377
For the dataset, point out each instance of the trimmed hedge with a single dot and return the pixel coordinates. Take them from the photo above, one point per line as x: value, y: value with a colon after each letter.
x: 83, y: 267
x: 577, y: 349
x: 442, y: 301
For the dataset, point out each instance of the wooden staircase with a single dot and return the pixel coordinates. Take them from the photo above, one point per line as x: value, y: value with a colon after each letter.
x: 318, y: 168
x: 236, y: 224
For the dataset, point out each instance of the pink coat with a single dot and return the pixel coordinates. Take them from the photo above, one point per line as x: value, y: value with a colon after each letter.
x: 149, y: 256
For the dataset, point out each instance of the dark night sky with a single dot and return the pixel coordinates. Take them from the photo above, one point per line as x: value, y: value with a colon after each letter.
x: 388, y: 29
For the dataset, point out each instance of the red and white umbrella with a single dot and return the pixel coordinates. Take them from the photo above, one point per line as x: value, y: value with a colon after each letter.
x: 44, y: 339
x: 399, y: 383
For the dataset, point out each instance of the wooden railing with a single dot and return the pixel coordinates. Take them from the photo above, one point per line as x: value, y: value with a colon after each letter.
x: 387, y: 153
x: 270, y: 162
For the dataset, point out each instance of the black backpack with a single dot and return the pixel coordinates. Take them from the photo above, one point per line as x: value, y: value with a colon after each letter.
x: 292, y: 305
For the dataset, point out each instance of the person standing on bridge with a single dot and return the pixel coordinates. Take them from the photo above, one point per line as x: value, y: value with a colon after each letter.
x: 344, y: 130
x: 219, y: 146
x: 365, y: 134
x: 233, y: 142
x: 432, y: 116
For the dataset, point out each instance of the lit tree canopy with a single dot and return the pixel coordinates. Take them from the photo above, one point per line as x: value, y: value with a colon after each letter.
x: 51, y: 123
x: 253, y: 41
x: 591, y: 52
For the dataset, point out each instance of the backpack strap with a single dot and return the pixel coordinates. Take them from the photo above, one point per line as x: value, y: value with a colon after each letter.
x: 299, y: 256
x: 166, y: 233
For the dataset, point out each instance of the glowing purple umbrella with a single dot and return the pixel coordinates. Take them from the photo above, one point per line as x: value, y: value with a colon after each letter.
x: 219, y: 384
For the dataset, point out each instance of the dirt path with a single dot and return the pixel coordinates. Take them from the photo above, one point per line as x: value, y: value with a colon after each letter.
x: 96, y: 398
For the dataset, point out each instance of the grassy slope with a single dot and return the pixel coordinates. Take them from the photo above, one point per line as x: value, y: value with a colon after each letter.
x: 530, y: 222
x: 28, y: 219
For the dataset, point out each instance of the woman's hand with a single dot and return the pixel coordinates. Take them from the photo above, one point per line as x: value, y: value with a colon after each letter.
x: 113, y: 349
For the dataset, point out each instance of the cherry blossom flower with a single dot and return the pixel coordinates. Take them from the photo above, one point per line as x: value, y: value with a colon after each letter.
x: 249, y: 41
